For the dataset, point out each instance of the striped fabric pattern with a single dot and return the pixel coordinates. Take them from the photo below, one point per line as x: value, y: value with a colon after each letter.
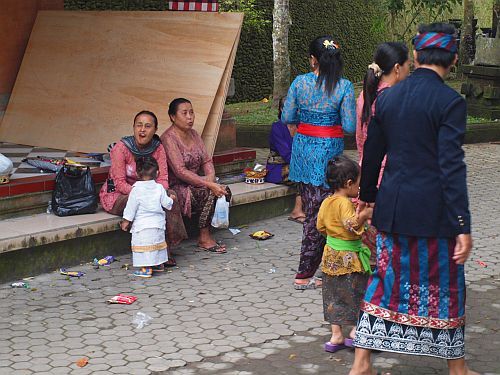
x: 415, y: 276
x: 194, y: 5
x: 435, y: 40
x: 415, y: 299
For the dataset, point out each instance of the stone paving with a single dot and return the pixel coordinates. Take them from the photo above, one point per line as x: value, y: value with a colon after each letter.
x: 235, y: 313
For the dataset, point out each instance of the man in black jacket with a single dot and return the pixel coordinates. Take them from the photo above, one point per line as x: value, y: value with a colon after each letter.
x: 415, y: 300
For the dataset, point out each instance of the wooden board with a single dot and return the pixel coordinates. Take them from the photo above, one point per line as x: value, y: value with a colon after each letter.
x: 211, y: 129
x: 85, y: 75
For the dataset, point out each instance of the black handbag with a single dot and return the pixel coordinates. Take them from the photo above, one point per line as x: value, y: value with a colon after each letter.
x: 74, y: 193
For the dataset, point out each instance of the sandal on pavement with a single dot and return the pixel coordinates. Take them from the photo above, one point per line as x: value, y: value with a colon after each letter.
x: 170, y: 262
x: 159, y: 268
x: 216, y: 249
x: 298, y: 219
x: 348, y: 342
x: 332, y: 348
x: 144, y: 272
x: 313, y: 283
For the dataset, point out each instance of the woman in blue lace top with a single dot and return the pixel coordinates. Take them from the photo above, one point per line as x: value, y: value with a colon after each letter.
x: 322, y: 104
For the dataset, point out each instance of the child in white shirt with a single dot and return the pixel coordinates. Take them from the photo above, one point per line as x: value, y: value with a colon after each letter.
x: 145, y: 211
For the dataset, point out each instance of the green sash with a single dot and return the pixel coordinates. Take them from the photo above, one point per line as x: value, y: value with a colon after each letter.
x: 355, y: 246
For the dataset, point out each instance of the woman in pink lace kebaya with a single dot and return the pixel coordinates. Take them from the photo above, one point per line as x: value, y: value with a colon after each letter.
x: 192, y: 173
x: 122, y: 174
x: 391, y: 64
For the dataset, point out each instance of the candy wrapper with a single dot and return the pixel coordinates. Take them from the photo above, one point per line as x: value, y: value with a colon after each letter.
x: 123, y: 299
x: 63, y: 271
x: 261, y: 235
x: 106, y: 261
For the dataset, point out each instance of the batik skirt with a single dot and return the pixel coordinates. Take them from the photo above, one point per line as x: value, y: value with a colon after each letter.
x: 415, y: 299
x: 313, y: 242
x: 342, y: 296
x: 149, y: 247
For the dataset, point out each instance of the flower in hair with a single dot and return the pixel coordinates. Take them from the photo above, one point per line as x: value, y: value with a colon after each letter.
x: 376, y: 69
x: 330, y: 44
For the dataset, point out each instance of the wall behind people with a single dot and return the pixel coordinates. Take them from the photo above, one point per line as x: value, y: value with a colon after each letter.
x: 356, y: 24
x: 16, y: 21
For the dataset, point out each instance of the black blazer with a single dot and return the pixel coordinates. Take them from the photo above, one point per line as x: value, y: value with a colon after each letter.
x: 420, y: 124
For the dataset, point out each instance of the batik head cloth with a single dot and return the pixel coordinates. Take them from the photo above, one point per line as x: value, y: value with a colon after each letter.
x: 435, y: 40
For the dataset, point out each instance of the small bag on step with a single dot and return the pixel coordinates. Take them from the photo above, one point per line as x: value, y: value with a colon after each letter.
x: 74, y: 193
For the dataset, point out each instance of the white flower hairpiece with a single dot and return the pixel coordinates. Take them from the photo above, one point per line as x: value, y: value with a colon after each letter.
x: 376, y: 69
x: 330, y: 44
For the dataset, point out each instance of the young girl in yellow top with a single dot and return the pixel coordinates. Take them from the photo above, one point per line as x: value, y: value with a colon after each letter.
x: 345, y: 263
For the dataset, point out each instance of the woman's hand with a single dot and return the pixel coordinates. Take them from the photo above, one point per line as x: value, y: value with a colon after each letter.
x: 218, y: 190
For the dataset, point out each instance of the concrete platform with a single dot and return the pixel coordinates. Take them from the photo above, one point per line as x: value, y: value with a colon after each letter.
x: 50, y: 241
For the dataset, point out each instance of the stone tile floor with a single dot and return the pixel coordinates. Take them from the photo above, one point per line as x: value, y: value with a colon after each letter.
x: 228, y: 314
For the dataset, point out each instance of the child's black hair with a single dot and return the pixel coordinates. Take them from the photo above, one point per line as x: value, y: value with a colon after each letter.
x: 146, y: 166
x: 340, y: 170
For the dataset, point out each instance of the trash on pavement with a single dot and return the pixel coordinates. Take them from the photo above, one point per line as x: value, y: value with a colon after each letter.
x: 141, y: 319
x: 234, y: 231
x: 20, y: 284
x: 126, y: 266
x: 481, y: 263
x: 272, y: 270
x: 65, y: 272
x: 261, y: 235
x: 106, y: 261
x: 123, y: 299
x: 82, y: 362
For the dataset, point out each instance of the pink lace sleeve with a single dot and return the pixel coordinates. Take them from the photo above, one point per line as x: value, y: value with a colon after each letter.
x: 176, y: 162
x: 207, y: 163
x: 118, y: 170
x: 361, y: 130
x: 161, y: 158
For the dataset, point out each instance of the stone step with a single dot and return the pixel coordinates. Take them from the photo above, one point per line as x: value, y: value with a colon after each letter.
x: 43, y: 242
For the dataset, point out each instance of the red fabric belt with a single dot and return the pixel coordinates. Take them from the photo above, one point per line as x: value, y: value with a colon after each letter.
x: 334, y: 131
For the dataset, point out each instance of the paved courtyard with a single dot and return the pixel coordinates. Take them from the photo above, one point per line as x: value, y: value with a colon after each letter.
x: 235, y: 313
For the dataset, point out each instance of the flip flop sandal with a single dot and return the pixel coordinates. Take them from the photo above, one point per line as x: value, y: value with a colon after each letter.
x: 216, y: 249
x: 297, y: 219
x: 312, y: 284
x: 348, y: 342
x: 332, y: 348
x: 170, y: 262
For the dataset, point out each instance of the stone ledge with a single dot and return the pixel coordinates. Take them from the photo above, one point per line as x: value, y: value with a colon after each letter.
x: 43, y: 229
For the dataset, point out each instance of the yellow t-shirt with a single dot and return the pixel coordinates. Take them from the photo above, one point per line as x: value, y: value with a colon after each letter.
x: 337, y: 218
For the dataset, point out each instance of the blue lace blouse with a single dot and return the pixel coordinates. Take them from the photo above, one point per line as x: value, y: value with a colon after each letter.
x: 309, y: 104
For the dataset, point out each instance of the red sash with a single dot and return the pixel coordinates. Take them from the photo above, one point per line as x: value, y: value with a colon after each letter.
x: 334, y: 131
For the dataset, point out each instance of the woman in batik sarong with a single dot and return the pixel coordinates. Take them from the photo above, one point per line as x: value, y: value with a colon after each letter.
x: 278, y: 161
x: 187, y: 157
x: 322, y: 104
x: 415, y: 299
x: 122, y: 174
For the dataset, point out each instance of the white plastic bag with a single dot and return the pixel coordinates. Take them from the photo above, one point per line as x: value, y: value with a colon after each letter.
x: 6, y: 165
x: 221, y: 214
x: 140, y: 320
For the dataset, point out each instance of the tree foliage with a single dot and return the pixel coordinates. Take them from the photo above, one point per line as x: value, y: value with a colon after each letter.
x: 254, y: 15
x: 405, y: 14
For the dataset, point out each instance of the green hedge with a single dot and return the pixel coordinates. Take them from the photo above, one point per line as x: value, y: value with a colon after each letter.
x: 355, y: 24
